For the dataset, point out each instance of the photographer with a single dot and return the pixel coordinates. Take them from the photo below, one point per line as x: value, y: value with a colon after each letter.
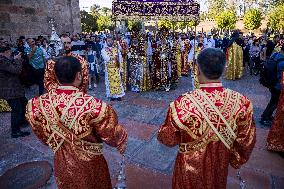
x: 37, y: 60
x: 11, y: 89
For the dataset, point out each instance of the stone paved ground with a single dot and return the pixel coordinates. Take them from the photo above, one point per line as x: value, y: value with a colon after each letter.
x: 149, y: 163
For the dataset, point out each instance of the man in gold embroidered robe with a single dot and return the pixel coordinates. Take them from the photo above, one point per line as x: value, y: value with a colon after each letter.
x: 50, y: 82
x: 234, y: 52
x: 112, y: 59
x: 213, y: 127
x: 75, y: 125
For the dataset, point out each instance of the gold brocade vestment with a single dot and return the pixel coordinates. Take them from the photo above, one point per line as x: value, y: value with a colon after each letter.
x: 178, y: 58
x: 203, y: 158
x: 74, y: 125
x: 113, y: 72
x: 235, y: 67
x: 194, y: 70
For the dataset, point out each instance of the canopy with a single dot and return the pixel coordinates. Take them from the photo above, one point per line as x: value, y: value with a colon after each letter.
x: 173, y: 10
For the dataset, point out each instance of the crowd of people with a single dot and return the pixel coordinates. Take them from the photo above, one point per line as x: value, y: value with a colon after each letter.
x: 214, y: 123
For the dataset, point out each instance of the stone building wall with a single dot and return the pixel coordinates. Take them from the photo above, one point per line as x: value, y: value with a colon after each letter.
x: 31, y: 17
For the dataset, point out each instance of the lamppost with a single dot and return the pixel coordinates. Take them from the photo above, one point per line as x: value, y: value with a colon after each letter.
x: 241, y: 8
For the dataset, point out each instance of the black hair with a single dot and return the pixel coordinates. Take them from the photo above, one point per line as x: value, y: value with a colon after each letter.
x: 66, y: 68
x: 212, y: 62
x: 88, y: 46
x: 200, y: 45
x: 255, y: 41
x: 29, y: 39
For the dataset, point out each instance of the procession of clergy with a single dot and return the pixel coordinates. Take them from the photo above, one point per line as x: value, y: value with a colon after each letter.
x: 213, y: 126
x: 150, y: 61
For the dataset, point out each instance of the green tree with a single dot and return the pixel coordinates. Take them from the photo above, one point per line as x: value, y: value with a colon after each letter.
x: 263, y: 5
x: 165, y: 23
x: 192, y: 23
x: 131, y: 24
x: 88, y: 22
x: 181, y: 25
x: 215, y: 7
x: 226, y: 20
x: 168, y: 24
x: 104, y: 22
x: 106, y: 10
x: 231, y: 5
x: 276, y: 18
x: 252, y: 19
x: 95, y: 11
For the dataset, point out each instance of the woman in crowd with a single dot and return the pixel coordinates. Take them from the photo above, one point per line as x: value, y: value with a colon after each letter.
x: 263, y: 49
x: 255, y: 55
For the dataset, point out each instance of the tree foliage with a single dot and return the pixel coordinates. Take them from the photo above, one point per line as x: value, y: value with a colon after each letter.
x: 215, y: 7
x: 95, y: 11
x: 105, y: 10
x: 133, y: 24
x: 176, y: 25
x: 104, y: 22
x: 276, y: 17
x: 252, y: 19
x: 88, y: 22
x: 96, y: 20
x: 167, y: 24
x: 226, y: 20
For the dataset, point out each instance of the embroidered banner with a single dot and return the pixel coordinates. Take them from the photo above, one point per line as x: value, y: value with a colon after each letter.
x: 174, y: 10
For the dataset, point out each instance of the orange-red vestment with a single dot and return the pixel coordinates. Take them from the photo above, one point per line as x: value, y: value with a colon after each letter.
x: 203, y: 158
x: 75, y: 125
x: 50, y: 81
x: 275, y: 139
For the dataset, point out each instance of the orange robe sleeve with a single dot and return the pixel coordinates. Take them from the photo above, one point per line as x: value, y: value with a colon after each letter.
x: 50, y: 81
x: 36, y: 120
x: 246, y: 137
x: 168, y: 133
x: 110, y: 131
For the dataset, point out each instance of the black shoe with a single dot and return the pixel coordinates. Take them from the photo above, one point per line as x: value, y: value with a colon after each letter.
x: 20, y: 134
x: 112, y: 99
x: 119, y: 99
x: 266, y: 122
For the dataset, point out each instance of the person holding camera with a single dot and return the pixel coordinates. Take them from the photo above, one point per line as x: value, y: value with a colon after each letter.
x: 37, y: 61
x: 11, y: 89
